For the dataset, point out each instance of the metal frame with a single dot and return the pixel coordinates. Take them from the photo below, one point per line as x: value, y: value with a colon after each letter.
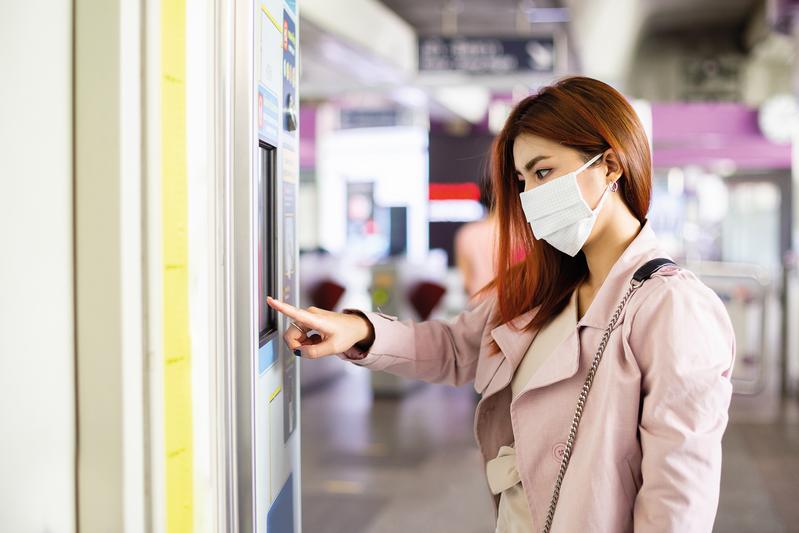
x: 242, y: 166
x: 750, y: 275
x: 782, y: 179
x: 222, y: 209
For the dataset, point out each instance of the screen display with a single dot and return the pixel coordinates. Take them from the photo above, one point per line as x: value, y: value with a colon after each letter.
x: 267, y: 256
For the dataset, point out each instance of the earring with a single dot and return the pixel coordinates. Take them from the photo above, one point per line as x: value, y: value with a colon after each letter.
x: 614, y: 186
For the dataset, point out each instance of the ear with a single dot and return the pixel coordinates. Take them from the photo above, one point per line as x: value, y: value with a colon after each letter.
x: 614, y: 169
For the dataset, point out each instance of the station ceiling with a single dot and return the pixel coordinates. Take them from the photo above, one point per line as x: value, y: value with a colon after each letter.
x: 501, y: 17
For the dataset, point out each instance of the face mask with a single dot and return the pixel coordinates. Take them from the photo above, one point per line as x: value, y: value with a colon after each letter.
x: 558, y: 213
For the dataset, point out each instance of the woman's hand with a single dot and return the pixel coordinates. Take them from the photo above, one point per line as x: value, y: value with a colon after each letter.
x: 336, y: 332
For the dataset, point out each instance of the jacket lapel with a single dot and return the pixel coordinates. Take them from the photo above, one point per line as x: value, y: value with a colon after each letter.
x: 562, y: 363
x: 513, y: 342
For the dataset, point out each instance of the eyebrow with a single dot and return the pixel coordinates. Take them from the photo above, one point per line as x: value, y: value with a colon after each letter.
x: 531, y: 163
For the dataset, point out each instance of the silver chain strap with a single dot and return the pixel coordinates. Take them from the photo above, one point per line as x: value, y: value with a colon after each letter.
x: 578, y: 412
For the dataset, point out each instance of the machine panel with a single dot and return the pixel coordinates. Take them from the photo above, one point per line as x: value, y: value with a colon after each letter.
x: 275, y: 443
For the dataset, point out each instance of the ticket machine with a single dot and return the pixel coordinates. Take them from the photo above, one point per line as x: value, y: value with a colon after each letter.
x: 265, y: 183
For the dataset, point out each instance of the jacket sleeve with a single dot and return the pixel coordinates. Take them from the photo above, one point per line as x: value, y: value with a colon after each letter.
x: 436, y: 351
x: 682, y: 339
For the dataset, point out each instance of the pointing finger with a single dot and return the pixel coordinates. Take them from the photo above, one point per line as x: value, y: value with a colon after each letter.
x: 300, y: 315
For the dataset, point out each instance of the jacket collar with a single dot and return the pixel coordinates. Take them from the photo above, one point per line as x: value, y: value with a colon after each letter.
x: 618, y: 280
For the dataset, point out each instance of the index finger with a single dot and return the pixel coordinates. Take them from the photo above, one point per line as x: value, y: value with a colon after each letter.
x: 295, y: 313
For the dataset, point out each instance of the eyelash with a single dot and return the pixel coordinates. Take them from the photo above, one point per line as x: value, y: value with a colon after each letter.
x: 520, y: 177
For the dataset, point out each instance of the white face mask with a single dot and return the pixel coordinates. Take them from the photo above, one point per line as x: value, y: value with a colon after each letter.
x: 558, y: 213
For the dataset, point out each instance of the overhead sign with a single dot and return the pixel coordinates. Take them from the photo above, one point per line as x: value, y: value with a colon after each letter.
x: 369, y: 118
x: 487, y: 55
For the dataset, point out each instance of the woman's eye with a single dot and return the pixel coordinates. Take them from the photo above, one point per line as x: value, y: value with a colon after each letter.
x: 538, y: 173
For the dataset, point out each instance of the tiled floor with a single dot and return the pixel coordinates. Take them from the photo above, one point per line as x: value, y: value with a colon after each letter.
x: 411, y: 464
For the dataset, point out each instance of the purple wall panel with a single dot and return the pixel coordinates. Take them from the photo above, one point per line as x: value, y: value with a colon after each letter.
x: 701, y: 133
x: 307, y: 137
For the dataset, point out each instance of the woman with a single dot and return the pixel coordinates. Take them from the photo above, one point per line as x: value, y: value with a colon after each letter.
x: 648, y: 453
x: 475, y: 247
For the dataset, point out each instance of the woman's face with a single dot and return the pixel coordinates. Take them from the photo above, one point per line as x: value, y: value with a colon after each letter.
x: 539, y: 161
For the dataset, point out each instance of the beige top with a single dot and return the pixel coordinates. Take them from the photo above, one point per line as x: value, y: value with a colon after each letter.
x: 503, y: 478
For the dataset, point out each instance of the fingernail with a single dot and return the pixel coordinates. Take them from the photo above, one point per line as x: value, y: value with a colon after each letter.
x: 298, y: 353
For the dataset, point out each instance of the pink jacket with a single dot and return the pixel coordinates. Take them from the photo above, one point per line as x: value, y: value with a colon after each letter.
x: 648, y: 452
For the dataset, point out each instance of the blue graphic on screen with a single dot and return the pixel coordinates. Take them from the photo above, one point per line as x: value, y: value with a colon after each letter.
x: 280, y: 518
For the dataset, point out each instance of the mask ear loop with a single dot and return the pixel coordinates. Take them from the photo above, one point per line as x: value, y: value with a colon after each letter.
x: 589, y: 163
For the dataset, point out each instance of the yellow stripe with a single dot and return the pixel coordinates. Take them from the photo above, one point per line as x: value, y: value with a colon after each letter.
x: 274, y: 22
x: 174, y: 213
x: 277, y: 391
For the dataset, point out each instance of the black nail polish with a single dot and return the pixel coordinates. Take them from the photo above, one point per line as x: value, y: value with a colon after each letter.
x: 298, y: 353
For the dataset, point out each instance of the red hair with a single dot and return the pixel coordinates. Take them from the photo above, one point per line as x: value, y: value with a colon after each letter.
x: 589, y: 116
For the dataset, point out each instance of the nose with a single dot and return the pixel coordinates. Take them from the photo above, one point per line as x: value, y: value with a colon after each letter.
x: 523, y: 185
x: 528, y: 185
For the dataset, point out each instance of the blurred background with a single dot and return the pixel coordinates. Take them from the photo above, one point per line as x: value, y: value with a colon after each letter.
x: 387, y: 110
x: 398, y: 121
